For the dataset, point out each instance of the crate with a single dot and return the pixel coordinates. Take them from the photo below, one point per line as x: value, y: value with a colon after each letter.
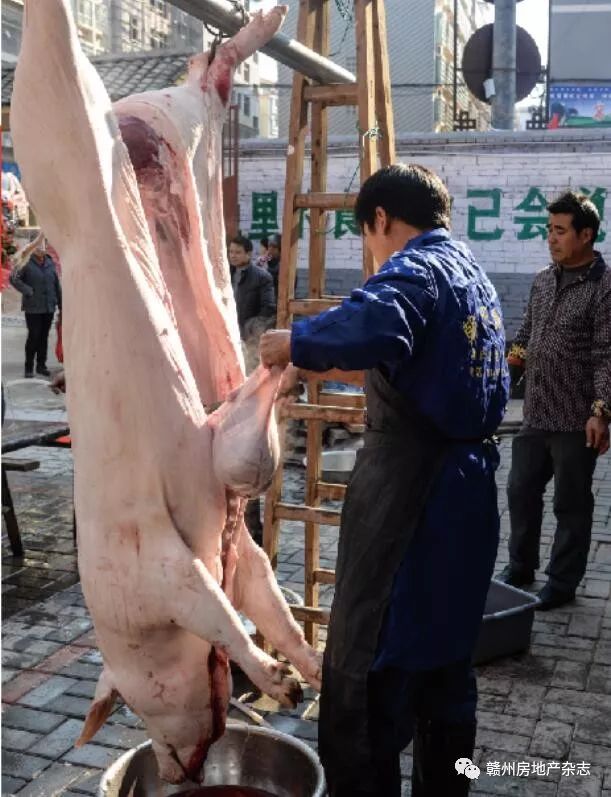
x: 507, y: 622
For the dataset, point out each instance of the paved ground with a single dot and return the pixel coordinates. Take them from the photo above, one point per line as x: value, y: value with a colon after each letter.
x: 546, y: 713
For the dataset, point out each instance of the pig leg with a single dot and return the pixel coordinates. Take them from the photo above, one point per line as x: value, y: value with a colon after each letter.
x: 258, y: 596
x: 201, y: 607
x: 170, y: 769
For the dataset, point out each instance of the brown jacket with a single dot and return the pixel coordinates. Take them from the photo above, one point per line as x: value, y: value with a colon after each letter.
x: 565, y: 344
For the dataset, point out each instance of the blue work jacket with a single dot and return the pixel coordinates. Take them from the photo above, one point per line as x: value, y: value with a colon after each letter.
x: 431, y: 321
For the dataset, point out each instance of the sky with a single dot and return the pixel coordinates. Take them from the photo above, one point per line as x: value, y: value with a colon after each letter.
x: 532, y: 15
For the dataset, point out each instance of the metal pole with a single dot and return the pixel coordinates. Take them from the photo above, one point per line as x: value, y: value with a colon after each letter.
x: 548, y: 74
x: 504, y: 64
x: 222, y: 14
x: 455, y: 97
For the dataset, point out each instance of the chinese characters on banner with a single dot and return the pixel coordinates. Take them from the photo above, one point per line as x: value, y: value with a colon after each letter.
x: 529, y: 217
x: 487, y: 209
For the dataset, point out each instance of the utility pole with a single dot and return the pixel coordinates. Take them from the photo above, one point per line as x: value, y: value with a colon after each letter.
x: 504, y: 64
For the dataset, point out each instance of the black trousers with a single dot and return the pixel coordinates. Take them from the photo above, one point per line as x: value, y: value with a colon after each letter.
x: 435, y: 708
x: 39, y: 325
x: 252, y: 518
x: 536, y: 458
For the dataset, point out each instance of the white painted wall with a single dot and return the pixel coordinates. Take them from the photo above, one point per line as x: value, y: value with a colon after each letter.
x: 510, y: 165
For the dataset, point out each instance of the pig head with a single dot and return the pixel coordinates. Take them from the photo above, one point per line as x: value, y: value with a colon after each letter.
x: 131, y: 198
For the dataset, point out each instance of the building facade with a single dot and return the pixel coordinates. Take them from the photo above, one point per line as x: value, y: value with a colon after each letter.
x: 580, y: 64
x: 133, y: 26
x: 91, y: 18
x: 421, y: 55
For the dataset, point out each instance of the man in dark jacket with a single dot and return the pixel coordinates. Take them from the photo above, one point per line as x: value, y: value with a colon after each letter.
x: 42, y: 294
x: 420, y: 522
x: 564, y: 344
x: 253, y: 289
x: 253, y: 286
x: 274, y: 244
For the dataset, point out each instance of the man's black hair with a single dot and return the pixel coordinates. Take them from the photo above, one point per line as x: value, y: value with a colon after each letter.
x: 275, y: 240
x: 264, y: 242
x: 407, y: 192
x: 243, y: 241
x: 583, y: 211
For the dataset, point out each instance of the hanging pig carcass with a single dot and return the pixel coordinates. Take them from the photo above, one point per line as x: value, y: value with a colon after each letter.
x: 131, y: 198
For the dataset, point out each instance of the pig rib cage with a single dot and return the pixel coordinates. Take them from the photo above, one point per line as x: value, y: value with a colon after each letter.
x: 371, y: 96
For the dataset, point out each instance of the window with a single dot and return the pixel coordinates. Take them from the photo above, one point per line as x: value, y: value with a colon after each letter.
x: 247, y: 73
x: 158, y: 40
x: 246, y: 106
x: 85, y: 12
x: 134, y: 28
x: 255, y: 57
x: 255, y: 123
x: 436, y: 109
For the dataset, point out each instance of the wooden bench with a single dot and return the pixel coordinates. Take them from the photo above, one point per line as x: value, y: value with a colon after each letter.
x: 8, y: 509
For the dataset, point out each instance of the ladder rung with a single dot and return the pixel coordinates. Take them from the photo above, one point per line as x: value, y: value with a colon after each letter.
x: 307, y: 514
x: 313, y: 306
x: 310, y: 614
x: 324, y: 576
x: 323, y: 201
x: 315, y: 412
x: 349, y: 377
x: 329, y: 398
x: 333, y: 94
x: 330, y: 492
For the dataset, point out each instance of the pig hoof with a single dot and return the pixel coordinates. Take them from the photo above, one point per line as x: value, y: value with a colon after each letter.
x: 277, y: 682
x: 288, y: 693
x: 169, y: 769
x: 312, y: 672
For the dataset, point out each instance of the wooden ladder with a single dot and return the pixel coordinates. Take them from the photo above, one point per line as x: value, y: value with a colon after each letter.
x: 371, y: 95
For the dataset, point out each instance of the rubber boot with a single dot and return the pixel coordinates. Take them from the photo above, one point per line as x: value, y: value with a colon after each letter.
x: 437, y: 748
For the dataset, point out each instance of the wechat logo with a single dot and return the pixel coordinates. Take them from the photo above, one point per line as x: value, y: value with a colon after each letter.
x: 466, y: 767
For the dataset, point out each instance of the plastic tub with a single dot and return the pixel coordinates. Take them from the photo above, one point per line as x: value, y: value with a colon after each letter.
x: 507, y: 622
x: 336, y: 465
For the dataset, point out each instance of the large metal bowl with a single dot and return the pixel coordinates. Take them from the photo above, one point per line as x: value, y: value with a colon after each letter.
x: 244, y: 756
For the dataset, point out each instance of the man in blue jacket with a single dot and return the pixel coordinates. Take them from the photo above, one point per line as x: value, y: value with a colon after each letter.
x: 420, y: 523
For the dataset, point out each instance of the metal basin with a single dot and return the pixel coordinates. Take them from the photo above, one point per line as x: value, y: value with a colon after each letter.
x: 244, y: 756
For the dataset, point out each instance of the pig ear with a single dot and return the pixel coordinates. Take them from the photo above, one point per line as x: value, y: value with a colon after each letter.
x: 101, y: 708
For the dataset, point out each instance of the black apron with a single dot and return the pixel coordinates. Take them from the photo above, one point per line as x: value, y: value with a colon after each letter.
x: 385, y: 499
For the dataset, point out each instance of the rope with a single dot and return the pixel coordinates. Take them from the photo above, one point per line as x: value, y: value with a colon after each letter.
x: 346, y: 12
x: 346, y: 9
x: 374, y: 133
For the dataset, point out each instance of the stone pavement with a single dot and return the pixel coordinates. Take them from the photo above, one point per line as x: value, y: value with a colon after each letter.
x: 547, y: 711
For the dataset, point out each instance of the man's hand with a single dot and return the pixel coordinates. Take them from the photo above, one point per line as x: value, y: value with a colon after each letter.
x: 275, y: 347
x: 597, y: 434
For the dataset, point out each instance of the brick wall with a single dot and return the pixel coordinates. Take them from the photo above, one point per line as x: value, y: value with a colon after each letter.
x: 499, y: 183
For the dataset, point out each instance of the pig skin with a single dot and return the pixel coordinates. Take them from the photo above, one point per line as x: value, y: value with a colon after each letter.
x: 150, y: 338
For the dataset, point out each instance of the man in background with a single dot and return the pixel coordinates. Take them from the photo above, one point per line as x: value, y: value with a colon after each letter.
x: 564, y: 344
x: 255, y: 299
x: 39, y: 284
